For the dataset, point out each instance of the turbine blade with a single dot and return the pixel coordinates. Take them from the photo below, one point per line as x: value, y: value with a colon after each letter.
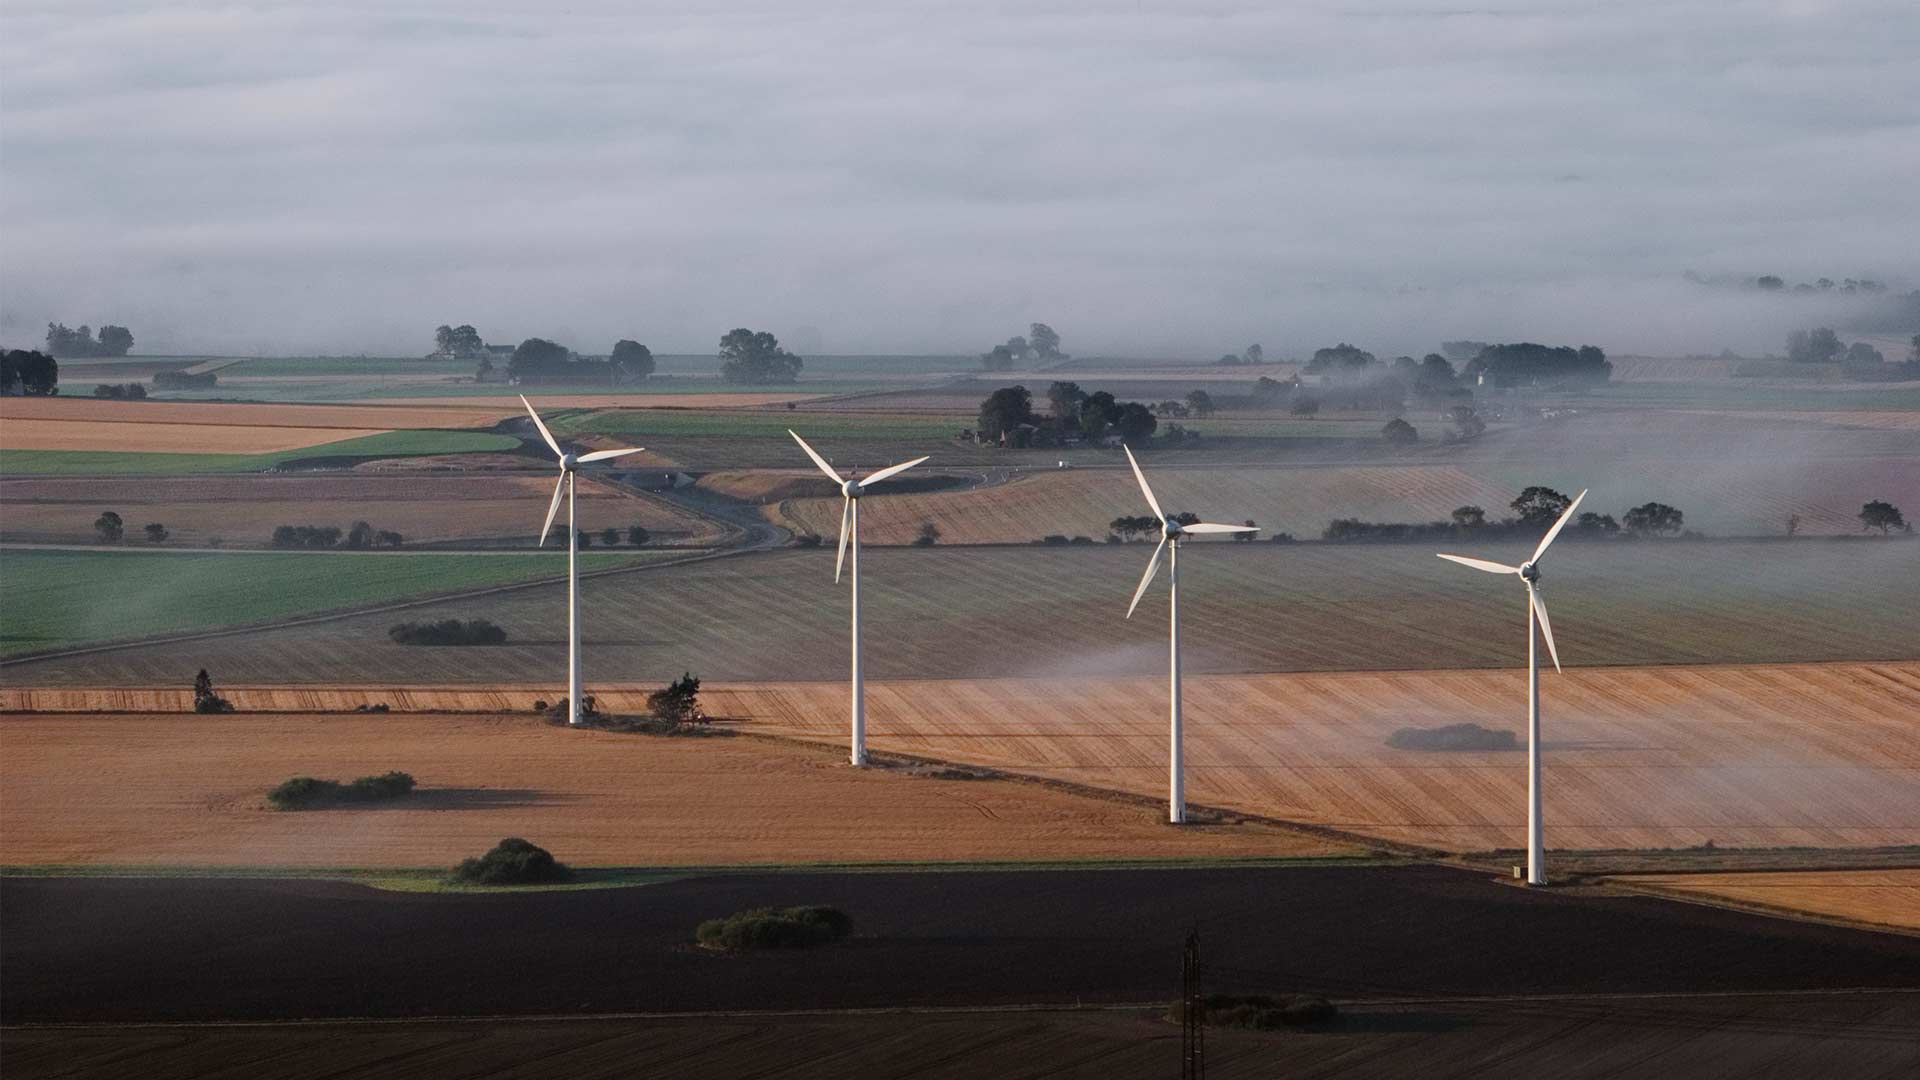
x: 891, y: 470
x: 1144, y: 489
x: 1208, y: 527
x: 607, y: 455
x: 544, y: 433
x: 1482, y: 564
x: 1565, y: 517
x: 817, y: 459
x: 1546, y: 626
x: 1152, y: 565
x: 553, y: 507
x: 846, y: 515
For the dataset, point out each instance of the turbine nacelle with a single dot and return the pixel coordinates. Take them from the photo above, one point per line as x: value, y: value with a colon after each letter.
x: 568, y: 461
x: 850, y: 489
x: 1170, y: 530
x: 1530, y: 572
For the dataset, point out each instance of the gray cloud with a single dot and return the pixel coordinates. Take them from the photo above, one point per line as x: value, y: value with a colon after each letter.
x: 929, y: 177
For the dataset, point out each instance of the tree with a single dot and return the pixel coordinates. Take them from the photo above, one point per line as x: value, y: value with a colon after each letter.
x: 1230, y: 359
x: 109, y: 390
x: 360, y: 535
x: 1596, y: 524
x: 1883, y: 516
x: 1819, y: 346
x: 1043, y: 341
x: 483, y: 371
x: 1469, y: 517
x: 1343, y: 357
x: 156, y: 532
x: 929, y: 535
x: 1540, y: 506
x: 1652, y: 519
x: 1461, y: 351
x: 1135, y: 421
x: 1200, y: 402
x: 999, y: 358
x: 115, y: 341
x: 632, y: 359
x: 1304, y: 406
x: 29, y: 372
x: 458, y: 342
x: 1862, y: 353
x: 637, y: 536
x: 1065, y: 399
x: 1249, y: 523
x: 66, y: 343
x: 1255, y: 354
x: 1172, y: 408
x: 678, y: 702
x: 585, y: 539
x: 443, y: 340
x: 204, y: 698
x: 610, y: 536
x: 1466, y: 423
x: 755, y: 357
x: 1526, y: 363
x: 110, y: 527
x: 538, y: 356
x: 1435, y: 377
x: 1126, y: 528
x: 1004, y: 410
x: 1398, y: 432
x: 388, y: 538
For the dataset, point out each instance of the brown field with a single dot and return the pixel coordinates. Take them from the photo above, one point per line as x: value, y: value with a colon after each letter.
x: 1878, y: 419
x: 359, y: 418
x: 189, y: 791
x: 1884, y: 897
x: 1816, y: 755
x: 243, y: 510
x: 162, y: 438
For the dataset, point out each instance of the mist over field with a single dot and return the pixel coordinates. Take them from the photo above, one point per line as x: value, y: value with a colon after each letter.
x: 1151, y: 177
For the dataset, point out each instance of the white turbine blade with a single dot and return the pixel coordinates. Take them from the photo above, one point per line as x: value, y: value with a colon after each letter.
x: 817, y: 459
x: 544, y: 433
x: 1144, y: 489
x: 1546, y: 626
x: 846, y: 516
x: 553, y: 508
x: 607, y: 455
x: 1557, y: 526
x: 891, y: 470
x: 1152, y: 565
x: 1208, y: 527
x: 1482, y: 564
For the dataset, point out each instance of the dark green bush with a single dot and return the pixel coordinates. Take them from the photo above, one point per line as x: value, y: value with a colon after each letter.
x: 306, y: 792
x: 448, y: 632
x: 775, y: 928
x: 512, y: 861
x: 1451, y: 737
x: 1261, y: 1012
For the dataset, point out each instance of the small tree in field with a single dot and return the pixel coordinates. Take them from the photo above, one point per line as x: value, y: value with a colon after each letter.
x: 929, y: 535
x: 636, y: 536
x: 1652, y: 519
x: 610, y: 536
x: 204, y: 699
x: 1540, y: 505
x: 156, y: 532
x: 1398, y: 432
x: 678, y: 702
x: 110, y: 527
x: 1883, y: 516
x: 1469, y: 517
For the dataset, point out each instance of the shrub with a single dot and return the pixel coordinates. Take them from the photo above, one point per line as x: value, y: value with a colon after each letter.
x: 1452, y: 737
x: 448, y: 632
x: 204, y: 699
x: 1260, y: 1012
x: 775, y: 928
x: 678, y: 702
x: 181, y: 380
x: 638, y: 536
x: 110, y: 526
x: 307, y: 793
x: 306, y: 536
x: 1055, y: 539
x: 512, y: 861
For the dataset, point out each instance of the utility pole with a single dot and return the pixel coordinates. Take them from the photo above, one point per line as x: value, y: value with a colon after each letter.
x: 1193, y: 1031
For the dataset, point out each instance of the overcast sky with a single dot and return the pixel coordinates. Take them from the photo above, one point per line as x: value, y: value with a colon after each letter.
x: 882, y: 176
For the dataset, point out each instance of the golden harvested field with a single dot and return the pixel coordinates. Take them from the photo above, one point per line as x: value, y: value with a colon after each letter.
x: 1885, y: 897
x: 189, y: 791
x: 1817, y: 755
x: 243, y: 510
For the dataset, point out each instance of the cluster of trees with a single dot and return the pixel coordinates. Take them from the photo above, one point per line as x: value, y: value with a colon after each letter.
x: 1883, y: 515
x: 678, y: 702
x: 1254, y: 354
x: 1859, y: 360
x: 1535, y: 509
x: 359, y: 536
x: 448, y: 632
x: 72, y: 344
x: 132, y: 391
x: 1197, y: 403
x: 512, y: 861
x: 1351, y: 377
x: 306, y: 792
x: 540, y: 360
x: 457, y: 343
x: 1041, y: 345
x: 1850, y: 286
x: 755, y: 358
x: 28, y: 372
x: 184, y: 380
x: 1528, y: 364
x: 1007, y: 417
x: 610, y: 536
x: 111, y: 528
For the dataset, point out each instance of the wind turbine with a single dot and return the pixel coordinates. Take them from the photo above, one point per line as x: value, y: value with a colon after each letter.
x: 1529, y: 573
x: 850, y: 492
x: 568, y: 462
x: 1170, y: 533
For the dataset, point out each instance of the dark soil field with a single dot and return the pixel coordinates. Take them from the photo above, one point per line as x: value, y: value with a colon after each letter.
x: 104, y: 950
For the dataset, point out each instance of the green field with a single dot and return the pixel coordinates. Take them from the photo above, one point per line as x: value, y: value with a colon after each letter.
x: 415, y: 443
x: 62, y: 599
x: 1060, y: 613
x: 814, y: 426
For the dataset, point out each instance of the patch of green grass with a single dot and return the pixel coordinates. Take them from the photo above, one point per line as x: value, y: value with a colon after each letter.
x: 814, y: 426
x: 416, y: 443
x: 63, y: 599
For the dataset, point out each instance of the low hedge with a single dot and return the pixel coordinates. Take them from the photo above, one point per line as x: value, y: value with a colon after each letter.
x: 306, y: 792
x: 1260, y: 1012
x: 1452, y: 737
x: 448, y: 632
x: 512, y: 861
x: 775, y: 928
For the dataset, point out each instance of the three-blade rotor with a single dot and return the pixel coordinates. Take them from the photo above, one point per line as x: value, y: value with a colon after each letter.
x: 567, y: 463
x: 1170, y: 531
x: 850, y: 489
x: 1529, y: 574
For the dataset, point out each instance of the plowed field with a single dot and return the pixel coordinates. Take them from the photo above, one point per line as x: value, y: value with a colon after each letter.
x: 187, y: 790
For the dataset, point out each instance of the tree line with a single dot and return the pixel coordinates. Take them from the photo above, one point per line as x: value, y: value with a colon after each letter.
x: 752, y: 357
x: 1007, y: 417
x: 67, y: 343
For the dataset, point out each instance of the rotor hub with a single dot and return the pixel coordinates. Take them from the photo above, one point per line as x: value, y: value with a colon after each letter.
x: 1170, y: 529
x: 568, y: 461
x: 851, y: 489
x: 1530, y: 573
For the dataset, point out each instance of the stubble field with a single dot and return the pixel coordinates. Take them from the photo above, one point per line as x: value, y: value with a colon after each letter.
x: 1882, y: 897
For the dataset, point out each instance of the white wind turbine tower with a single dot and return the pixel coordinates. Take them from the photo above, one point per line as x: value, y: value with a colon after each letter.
x: 850, y: 492
x: 1170, y: 533
x: 565, y: 484
x: 1529, y: 574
